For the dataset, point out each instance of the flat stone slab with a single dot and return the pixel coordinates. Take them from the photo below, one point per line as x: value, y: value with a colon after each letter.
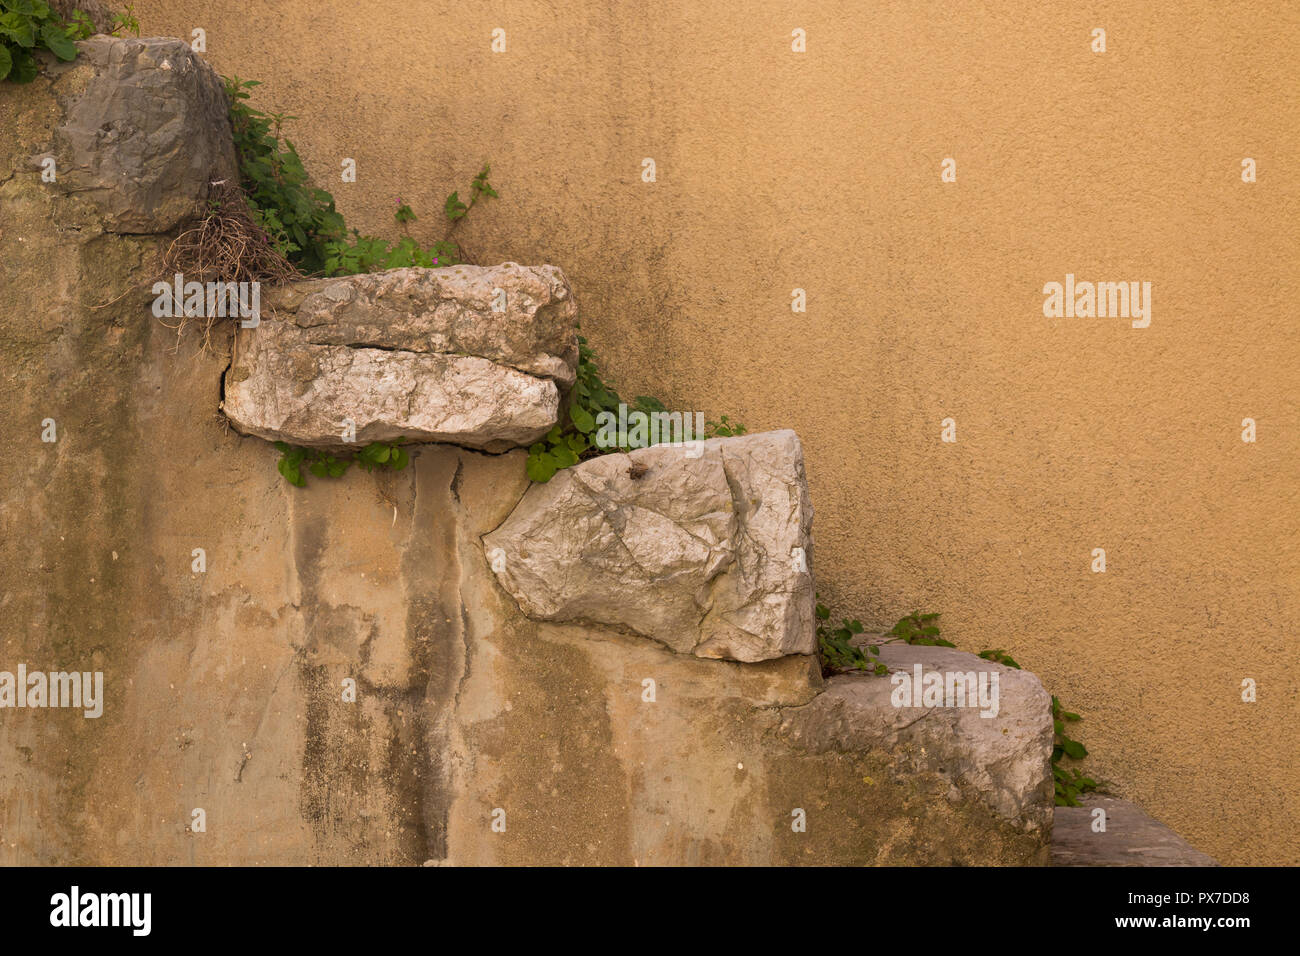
x: 1002, y: 760
x: 467, y: 355
x: 1131, y: 838
x: 707, y: 550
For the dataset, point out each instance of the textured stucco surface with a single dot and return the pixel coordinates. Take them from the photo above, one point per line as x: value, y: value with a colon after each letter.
x: 821, y: 171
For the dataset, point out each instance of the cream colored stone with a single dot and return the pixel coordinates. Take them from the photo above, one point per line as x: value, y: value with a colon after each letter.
x: 710, y: 555
x: 452, y: 310
x: 470, y: 355
x: 279, y: 388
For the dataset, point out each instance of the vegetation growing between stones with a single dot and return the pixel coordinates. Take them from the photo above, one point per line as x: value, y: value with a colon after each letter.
x: 300, y: 218
x: 571, y: 440
x: 298, y: 222
x: 838, y: 655
x: 918, y: 628
x: 27, y: 26
x: 294, y: 459
x: 1070, y: 782
x: 123, y: 21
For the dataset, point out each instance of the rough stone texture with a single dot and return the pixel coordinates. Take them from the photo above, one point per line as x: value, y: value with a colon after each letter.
x: 146, y: 130
x: 444, y: 310
x: 1131, y: 838
x: 280, y: 389
x: 408, y: 353
x: 223, y: 687
x: 1003, y: 761
x: 698, y: 553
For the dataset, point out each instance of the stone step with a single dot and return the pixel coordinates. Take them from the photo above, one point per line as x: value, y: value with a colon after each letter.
x: 1131, y: 838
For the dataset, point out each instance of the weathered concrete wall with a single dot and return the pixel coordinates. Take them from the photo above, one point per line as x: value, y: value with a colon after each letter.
x: 223, y: 685
x: 821, y: 171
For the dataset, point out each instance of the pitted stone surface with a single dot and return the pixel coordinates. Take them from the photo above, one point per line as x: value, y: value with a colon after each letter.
x: 453, y: 310
x: 146, y: 131
x: 709, y: 554
x: 1002, y: 760
x: 469, y: 355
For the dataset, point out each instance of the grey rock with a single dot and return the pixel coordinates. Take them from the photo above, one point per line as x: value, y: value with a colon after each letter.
x: 1131, y: 838
x: 1004, y: 761
x: 710, y: 555
x: 146, y: 131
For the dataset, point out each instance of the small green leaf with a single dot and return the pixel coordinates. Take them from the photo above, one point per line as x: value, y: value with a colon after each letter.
x: 24, y: 69
x: 540, y: 468
x: 582, y: 419
x: 454, y: 207
x: 58, y: 41
x: 563, y: 456
x: 290, y: 472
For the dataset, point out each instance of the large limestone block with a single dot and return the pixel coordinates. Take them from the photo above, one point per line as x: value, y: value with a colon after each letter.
x: 146, y: 131
x: 1002, y: 760
x: 416, y: 353
x: 708, y: 551
x: 284, y: 391
x: 445, y: 310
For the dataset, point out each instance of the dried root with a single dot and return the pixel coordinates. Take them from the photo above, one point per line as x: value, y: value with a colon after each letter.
x: 225, y: 245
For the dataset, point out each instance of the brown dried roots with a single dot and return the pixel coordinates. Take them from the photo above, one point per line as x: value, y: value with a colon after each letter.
x: 225, y: 245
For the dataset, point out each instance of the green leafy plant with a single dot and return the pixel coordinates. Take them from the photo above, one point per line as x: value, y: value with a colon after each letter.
x: 125, y: 21
x: 558, y: 449
x: 920, y: 629
x: 836, y: 650
x: 294, y: 459
x: 571, y: 441
x: 1069, y: 781
x: 301, y: 219
x: 1000, y: 656
x: 30, y: 25
x: 368, y: 253
x: 723, y: 429
x: 479, y: 189
x: 81, y: 27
